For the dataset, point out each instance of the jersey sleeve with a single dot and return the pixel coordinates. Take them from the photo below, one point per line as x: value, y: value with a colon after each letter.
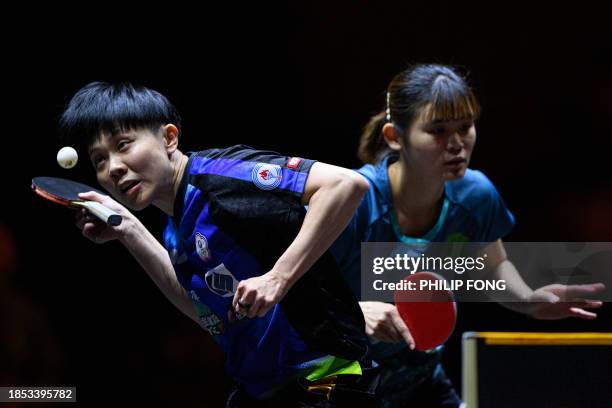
x: 498, y: 221
x: 248, y: 184
x: 254, y: 195
x: 346, y: 249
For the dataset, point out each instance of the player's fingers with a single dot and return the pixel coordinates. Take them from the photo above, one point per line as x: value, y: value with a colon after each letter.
x: 585, y: 303
x: 403, y: 330
x: 79, y: 220
x: 256, y: 310
x: 265, y: 307
x: 384, y: 330
x: 92, y: 232
x: 574, y: 291
x: 262, y: 311
x: 582, y: 314
x: 391, y: 335
x: 85, y: 217
x: 593, y: 304
x: 80, y: 224
x: 378, y: 335
x: 245, y: 301
x: 237, y: 296
x: 92, y: 196
x: 254, y: 307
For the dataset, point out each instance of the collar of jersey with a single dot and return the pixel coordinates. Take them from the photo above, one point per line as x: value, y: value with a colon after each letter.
x: 431, y: 234
x: 179, y: 199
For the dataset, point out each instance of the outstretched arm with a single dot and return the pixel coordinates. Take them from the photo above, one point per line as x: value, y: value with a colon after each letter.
x: 143, y: 246
x: 549, y: 302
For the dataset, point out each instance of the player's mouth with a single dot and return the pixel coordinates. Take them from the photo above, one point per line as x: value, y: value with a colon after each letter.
x: 129, y: 187
x: 456, y: 162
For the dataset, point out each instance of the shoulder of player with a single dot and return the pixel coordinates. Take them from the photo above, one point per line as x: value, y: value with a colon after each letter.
x: 473, y: 191
x: 237, y: 152
x: 375, y: 202
x: 241, y: 153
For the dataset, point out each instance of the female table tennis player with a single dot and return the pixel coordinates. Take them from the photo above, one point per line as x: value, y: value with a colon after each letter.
x: 418, y: 150
x: 238, y: 243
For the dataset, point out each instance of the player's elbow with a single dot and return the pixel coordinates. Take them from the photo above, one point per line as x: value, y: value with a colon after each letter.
x: 361, y: 184
x: 354, y: 183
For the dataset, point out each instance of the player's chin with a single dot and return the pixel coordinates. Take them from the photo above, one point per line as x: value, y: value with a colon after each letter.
x: 136, y: 206
x: 454, y: 174
x: 133, y: 203
x: 136, y: 203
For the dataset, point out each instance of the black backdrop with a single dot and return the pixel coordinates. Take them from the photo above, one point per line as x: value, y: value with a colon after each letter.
x: 301, y: 79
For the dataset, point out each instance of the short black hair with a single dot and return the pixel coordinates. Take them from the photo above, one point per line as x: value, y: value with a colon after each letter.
x: 102, y: 107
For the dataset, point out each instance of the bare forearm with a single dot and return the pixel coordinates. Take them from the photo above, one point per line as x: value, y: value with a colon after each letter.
x: 517, y: 291
x: 154, y: 259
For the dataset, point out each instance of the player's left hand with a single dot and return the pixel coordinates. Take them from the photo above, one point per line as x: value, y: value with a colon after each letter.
x: 558, y: 301
x: 256, y: 296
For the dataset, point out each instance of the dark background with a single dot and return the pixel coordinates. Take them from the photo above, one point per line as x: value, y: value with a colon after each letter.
x: 301, y: 79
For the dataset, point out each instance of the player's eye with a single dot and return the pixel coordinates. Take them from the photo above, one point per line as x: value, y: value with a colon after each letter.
x: 438, y: 130
x: 122, y: 145
x: 97, y: 161
x: 465, y: 128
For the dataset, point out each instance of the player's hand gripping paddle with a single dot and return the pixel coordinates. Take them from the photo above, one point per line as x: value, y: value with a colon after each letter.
x: 429, y: 311
x: 66, y: 192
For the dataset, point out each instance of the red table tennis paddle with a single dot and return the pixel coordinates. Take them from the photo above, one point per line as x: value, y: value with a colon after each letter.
x: 428, y: 310
x: 66, y: 192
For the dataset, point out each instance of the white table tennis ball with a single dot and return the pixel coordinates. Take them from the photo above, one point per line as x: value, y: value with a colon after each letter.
x: 67, y: 157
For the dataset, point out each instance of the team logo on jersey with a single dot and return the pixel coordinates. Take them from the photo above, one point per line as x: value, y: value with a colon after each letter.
x: 201, y: 246
x: 266, y: 176
x: 212, y: 324
x: 221, y: 281
x: 208, y: 320
x: 293, y: 163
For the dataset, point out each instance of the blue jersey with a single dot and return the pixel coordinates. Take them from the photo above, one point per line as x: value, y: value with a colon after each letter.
x: 236, y: 212
x: 472, y: 210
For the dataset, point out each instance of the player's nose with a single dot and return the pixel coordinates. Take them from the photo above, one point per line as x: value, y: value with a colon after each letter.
x: 116, y: 168
x: 455, y: 143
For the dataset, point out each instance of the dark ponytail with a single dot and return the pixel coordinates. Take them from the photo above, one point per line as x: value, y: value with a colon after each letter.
x: 439, y: 88
x: 372, y: 145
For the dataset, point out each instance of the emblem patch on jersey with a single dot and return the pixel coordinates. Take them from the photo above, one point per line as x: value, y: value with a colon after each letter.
x: 221, y: 281
x: 212, y: 324
x: 294, y: 162
x: 266, y: 176
x: 201, y: 246
x: 209, y: 321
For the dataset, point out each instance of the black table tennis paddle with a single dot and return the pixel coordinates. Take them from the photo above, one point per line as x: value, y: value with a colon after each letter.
x: 66, y: 192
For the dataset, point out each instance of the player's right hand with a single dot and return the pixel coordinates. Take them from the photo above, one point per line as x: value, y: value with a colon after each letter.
x: 383, y: 323
x: 96, y: 230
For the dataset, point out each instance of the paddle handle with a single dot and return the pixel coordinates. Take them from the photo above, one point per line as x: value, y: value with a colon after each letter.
x: 104, y: 213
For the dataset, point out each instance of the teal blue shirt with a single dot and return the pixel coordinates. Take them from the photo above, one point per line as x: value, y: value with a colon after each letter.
x: 472, y: 210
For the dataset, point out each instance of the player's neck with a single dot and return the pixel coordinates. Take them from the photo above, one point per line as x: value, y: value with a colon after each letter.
x: 179, y: 162
x: 415, y: 197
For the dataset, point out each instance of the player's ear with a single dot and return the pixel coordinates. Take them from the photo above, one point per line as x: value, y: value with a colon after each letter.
x: 392, y: 136
x: 170, y: 135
